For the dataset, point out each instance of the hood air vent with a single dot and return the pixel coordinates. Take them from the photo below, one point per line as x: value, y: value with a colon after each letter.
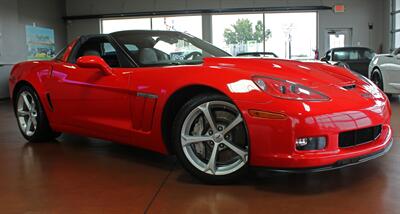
x: 349, y: 87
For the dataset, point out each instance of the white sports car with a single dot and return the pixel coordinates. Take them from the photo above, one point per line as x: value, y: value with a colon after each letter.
x: 384, y: 71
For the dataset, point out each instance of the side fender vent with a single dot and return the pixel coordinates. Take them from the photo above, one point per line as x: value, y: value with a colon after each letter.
x: 144, y: 105
x: 49, y: 102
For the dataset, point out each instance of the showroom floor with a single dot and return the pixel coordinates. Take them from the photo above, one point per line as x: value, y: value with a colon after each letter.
x: 81, y: 175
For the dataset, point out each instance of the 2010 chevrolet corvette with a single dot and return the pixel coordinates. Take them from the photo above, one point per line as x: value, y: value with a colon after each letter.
x: 170, y: 92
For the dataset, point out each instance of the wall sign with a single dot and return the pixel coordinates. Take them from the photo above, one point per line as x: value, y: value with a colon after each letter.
x: 40, y: 42
x: 339, y: 8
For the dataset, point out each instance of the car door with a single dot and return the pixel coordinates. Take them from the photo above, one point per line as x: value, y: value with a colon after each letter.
x: 88, y: 100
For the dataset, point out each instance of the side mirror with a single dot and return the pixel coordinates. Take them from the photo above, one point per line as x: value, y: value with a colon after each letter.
x: 94, y: 62
x: 324, y: 59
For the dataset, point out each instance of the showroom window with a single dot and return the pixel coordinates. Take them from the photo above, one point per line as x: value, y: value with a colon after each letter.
x: 396, y: 24
x: 237, y: 33
x: 292, y: 35
x: 188, y: 24
x: 112, y: 25
x: 288, y: 35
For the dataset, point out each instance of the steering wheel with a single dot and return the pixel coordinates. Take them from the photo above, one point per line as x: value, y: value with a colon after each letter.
x: 193, y: 55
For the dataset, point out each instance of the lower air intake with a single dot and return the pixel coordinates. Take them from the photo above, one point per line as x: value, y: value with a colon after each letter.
x: 360, y: 136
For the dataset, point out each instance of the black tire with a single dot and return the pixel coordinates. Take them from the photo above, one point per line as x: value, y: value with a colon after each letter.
x: 43, y: 131
x: 177, y: 145
x: 377, y: 78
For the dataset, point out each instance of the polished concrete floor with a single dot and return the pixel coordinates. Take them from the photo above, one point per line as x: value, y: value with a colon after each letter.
x: 81, y: 175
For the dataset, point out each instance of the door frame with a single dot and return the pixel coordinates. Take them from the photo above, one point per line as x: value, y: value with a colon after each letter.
x: 346, y: 31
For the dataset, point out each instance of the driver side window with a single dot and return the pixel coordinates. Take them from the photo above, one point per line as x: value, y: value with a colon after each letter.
x: 181, y: 50
x: 99, y: 46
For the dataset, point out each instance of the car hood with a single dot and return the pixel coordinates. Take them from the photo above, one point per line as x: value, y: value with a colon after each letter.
x: 311, y: 74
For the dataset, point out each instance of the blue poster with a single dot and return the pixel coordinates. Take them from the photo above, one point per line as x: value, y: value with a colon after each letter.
x: 40, y: 41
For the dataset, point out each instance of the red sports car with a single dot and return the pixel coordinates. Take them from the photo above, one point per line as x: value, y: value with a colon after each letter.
x: 217, y: 114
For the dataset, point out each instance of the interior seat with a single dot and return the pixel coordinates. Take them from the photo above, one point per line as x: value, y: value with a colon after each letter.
x: 148, y: 56
x: 91, y: 52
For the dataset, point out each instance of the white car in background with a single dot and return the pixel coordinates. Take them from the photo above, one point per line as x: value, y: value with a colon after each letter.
x: 384, y: 71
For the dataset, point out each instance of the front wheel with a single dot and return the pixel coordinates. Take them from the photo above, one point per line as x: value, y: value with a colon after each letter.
x: 31, y: 117
x: 376, y: 78
x: 210, y: 139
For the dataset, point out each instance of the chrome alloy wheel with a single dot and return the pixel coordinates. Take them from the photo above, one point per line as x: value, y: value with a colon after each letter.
x: 214, y: 138
x: 27, y: 113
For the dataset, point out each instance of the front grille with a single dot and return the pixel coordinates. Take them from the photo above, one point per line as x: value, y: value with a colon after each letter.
x: 360, y: 136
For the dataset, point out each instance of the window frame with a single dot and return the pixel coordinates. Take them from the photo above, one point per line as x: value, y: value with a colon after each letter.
x: 60, y: 55
x: 394, y: 30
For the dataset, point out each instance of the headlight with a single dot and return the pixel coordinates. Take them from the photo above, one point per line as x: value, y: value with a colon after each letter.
x: 285, y: 89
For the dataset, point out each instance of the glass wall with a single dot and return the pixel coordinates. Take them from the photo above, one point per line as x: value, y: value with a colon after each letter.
x: 112, y: 25
x: 292, y: 35
x: 238, y: 33
x: 288, y: 35
x: 188, y: 24
x: 395, y: 24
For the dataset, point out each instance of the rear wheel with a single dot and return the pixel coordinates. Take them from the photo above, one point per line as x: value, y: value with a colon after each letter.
x: 32, y: 120
x: 210, y: 139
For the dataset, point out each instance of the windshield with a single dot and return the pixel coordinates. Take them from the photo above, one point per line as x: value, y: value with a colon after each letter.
x: 353, y: 55
x: 161, y: 48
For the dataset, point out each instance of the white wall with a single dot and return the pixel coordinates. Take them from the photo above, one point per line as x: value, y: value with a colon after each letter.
x: 357, y: 15
x: 4, y: 76
x: 77, y: 28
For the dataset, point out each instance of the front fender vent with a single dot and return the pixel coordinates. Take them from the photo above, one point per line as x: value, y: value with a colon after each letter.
x: 49, y: 102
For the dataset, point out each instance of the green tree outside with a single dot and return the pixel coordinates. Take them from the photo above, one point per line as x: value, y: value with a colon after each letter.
x: 242, y: 32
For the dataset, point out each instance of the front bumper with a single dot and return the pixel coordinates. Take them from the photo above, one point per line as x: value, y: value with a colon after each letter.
x: 337, y: 165
x: 272, y: 142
